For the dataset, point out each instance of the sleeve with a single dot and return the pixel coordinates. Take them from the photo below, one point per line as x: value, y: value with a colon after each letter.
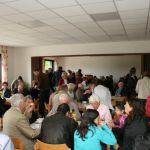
x: 106, y: 136
x: 5, y: 143
x: 108, y: 116
x: 24, y: 127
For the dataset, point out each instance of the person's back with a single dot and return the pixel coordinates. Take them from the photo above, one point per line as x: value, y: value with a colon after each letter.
x: 16, y: 124
x: 58, y: 128
x: 88, y: 135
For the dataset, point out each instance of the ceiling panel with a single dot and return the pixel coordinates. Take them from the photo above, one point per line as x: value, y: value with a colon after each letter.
x: 132, y: 4
x: 80, y: 18
x: 5, y: 10
x: 70, y: 11
x: 141, y: 13
x: 92, y: 1
x: 57, y: 3
x: 26, y: 5
x: 100, y: 7
x: 42, y: 14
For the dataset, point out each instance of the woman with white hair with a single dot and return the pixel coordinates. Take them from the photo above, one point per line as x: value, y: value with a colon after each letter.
x: 103, y: 110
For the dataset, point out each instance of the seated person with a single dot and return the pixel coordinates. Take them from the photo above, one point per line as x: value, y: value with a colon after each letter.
x: 59, y: 128
x: 64, y: 98
x: 91, y: 132
x: 105, y: 96
x: 34, y: 90
x: 120, y: 115
x: 119, y: 121
x: 104, y: 112
x: 79, y: 93
x: 135, y: 124
x: 30, y: 109
x: 71, y: 90
x: 6, y: 92
x: 121, y: 91
x: 16, y: 124
x: 5, y: 142
x: 22, y: 90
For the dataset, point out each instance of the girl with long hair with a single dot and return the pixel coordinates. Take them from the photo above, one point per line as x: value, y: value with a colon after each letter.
x: 135, y: 124
x: 91, y: 132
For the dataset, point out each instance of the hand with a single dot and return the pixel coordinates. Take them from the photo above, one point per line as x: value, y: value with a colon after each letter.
x: 116, y: 146
x: 110, y: 124
x: 30, y: 107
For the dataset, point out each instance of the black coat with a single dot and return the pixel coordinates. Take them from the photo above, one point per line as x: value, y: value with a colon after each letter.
x: 131, y: 131
x: 58, y: 129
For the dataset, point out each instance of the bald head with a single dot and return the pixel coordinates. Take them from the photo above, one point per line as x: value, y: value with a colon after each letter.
x: 63, y: 98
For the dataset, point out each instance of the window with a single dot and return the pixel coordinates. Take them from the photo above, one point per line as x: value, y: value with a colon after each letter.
x: 48, y: 64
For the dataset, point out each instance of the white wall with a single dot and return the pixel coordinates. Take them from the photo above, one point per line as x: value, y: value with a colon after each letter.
x: 118, y: 66
x: 20, y: 58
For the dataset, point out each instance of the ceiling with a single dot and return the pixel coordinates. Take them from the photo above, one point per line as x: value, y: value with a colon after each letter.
x: 46, y: 22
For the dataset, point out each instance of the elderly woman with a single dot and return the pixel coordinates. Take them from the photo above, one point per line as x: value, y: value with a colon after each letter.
x: 103, y: 110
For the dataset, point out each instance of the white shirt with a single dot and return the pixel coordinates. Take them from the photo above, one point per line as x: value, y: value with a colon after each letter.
x: 104, y: 95
x: 143, y: 88
x: 5, y: 142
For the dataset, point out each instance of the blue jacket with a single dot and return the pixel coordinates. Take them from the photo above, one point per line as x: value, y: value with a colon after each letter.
x: 93, y: 138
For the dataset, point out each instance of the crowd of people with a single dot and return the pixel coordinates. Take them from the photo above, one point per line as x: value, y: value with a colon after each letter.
x: 100, y: 124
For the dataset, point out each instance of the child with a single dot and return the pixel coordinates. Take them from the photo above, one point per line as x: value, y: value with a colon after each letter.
x: 119, y: 121
x: 120, y: 116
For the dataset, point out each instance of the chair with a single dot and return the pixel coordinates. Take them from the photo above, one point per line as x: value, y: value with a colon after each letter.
x: 18, y: 144
x: 43, y: 146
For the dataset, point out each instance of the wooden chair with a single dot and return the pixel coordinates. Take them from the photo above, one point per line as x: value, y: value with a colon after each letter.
x: 18, y: 144
x: 43, y: 146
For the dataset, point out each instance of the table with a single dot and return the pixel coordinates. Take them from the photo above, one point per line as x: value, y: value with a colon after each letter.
x: 115, y: 99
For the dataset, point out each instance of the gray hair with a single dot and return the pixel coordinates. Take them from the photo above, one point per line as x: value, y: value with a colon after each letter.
x: 94, y: 98
x: 16, y: 99
x: 28, y: 97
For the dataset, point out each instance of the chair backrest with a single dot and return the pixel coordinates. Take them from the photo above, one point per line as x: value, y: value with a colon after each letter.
x: 43, y: 146
x: 18, y: 144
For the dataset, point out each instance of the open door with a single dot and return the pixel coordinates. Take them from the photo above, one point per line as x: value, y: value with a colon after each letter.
x: 36, y: 63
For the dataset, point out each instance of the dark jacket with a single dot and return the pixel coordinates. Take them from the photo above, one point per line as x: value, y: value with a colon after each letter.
x: 58, y: 129
x: 131, y: 131
x: 7, y: 93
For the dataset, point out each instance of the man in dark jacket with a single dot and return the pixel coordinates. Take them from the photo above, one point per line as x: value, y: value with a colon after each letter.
x: 59, y: 128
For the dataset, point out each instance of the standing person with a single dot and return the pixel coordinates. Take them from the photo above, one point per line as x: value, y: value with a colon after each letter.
x: 16, y: 124
x: 59, y: 128
x: 134, y: 125
x: 130, y: 83
x: 89, y: 135
x: 143, y: 88
x: 43, y: 84
x: 57, y: 75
